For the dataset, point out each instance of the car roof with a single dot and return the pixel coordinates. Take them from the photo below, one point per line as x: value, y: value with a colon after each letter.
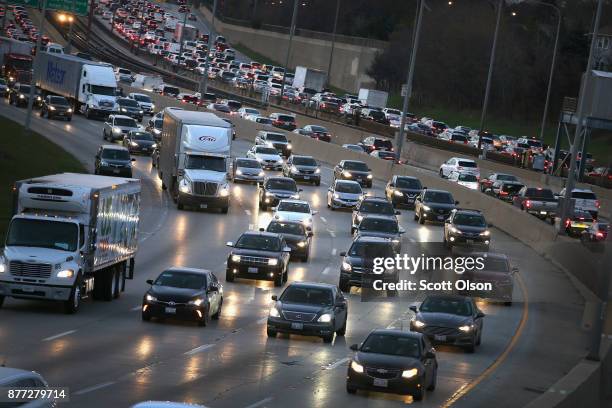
x: 368, y: 198
x: 262, y: 233
x: 447, y: 296
x: 432, y: 190
x: 368, y: 238
x: 467, y: 211
x: 113, y: 147
x: 8, y: 373
x: 406, y: 177
x: 463, y: 159
x: 379, y: 217
x: 247, y: 159
x: 312, y: 285
x: 347, y: 182
x: 294, y: 201
x: 399, y: 333
x: 300, y: 156
x: 279, y: 178
x: 354, y: 161
x: 187, y: 269
x: 121, y: 117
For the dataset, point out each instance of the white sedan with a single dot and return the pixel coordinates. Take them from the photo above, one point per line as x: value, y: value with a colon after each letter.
x: 267, y: 156
x: 294, y: 210
x: 465, y: 179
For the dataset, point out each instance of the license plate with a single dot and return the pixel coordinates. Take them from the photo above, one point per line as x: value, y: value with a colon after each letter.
x: 28, y: 289
x: 469, y: 241
x: 116, y: 171
x: 306, y: 177
x: 580, y: 226
x: 440, y: 217
x: 253, y: 270
x: 381, y: 382
x: 543, y: 212
x: 203, y: 205
x: 297, y: 326
x: 171, y: 310
x: 439, y: 338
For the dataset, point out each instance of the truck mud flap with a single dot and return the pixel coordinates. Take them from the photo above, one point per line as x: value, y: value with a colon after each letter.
x: 130, y: 270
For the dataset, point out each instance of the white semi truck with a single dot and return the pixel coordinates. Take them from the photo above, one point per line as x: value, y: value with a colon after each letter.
x: 308, y: 78
x: 71, y: 235
x: 194, y: 159
x: 90, y: 86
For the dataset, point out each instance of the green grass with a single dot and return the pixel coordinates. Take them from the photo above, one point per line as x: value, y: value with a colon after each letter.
x: 22, y: 157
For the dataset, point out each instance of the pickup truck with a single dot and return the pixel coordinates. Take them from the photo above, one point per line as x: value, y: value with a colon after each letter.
x: 538, y: 201
x: 585, y: 200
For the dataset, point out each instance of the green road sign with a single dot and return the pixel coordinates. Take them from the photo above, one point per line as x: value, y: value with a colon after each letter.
x: 80, y: 6
x: 25, y: 3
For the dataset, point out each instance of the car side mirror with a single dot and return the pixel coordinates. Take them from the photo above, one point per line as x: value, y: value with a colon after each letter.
x: 414, y: 308
x: 402, y: 231
x: 456, y: 202
x: 133, y: 159
x: 310, y: 233
x: 286, y: 249
x: 300, y: 190
x: 229, y: 244
x: 150, y: 281
x: 315, y: 212
x: 330, y: 189
x: 397, y: 213
x: 369, y: 169
x: 430, y: 354
x: 514, y: 270
x: 274, y: 297
x: 480, y: 314
x: 342, y: 253
x: 262, y: 229
x: 490, y: 225
x: 354, y: 347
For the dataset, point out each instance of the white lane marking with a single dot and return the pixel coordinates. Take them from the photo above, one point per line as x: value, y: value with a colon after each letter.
x: 260, y: 403
x: 94, y: 388
x: 135, y: 308
x: 324, y: 220
x: 334, y: 251
x: 324, y: 183
x: 336, y: 364
x: 198, y: 349
x: 412, y: 240
x: 262, y: 320
x: 57, y: 336
x: 326, y: 270
x: 247, y: 212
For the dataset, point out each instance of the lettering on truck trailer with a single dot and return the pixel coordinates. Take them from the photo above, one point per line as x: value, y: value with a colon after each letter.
x: 55, y: 73
x: 207, y: 139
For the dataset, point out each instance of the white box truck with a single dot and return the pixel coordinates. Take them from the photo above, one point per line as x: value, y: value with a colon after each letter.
x: 71, y: 235
x: 187, y: 31
x: 194, y: 159
x: 90, y: 86
x: 373, y: 98
x: 309, y: 78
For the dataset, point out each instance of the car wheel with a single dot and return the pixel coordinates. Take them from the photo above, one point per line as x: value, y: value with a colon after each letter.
x: 305, y: 257
x: 415, y: 216
x: 218, y: 313
x: 434, y: 380
x: 224, y: 210
x: 472, y: 347
x: 1, y: 300
x: 350, y: 389
x: 417, y: 395
x: 342, y: 331
x: 278, y: 280
x: 69, y: 119
x: 552, y: 220
x: 421, y: 219
x: 318, y: 183
x: 479, y: 339
x: 229, y: 276
x: 328, y: 338
x: 146, y: 316
x: 203, y: 322
x: 271, y: 332
x: 441, y: 173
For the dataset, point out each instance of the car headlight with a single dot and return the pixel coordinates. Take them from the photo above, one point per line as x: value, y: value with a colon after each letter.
x: 426, y: 208
x: 2, y: 265
x: 294, y: 169
x: 21, y: 96
x: 116, y: 129
x: 356, y: 367
x: 295, y: 196
x: 153, y: 107
x: 485, y: 233
x: 336, y: 196
x: 274, y: 312
x: 301, y: 244
x: 269, y: 194
x: 269, y: 144
x: 418, y: 324
x: 52, y: 108
x: 38, y: 98
x: 224, y: 191
x: 398, y: 193
x: 239, y: 172
x: 369, y: 176
x: 157, y: 131
x: 154, y: 146
x: 133, y: 144
x: 123, y: 110
x: 236, y: 258
x: 289, y: 146
x: 359, y: 218
x: 69, y: 110
x: 184, y: 186
x: 196, y: 302
x: 261, y: 173
x: 66, y: 273
x: 410, y: 373
x: 466, y: 328
x: 317, y: 171
x: 455, y: 230
x: 141, y: 112
x: 346, y: 266
x: 325, y: 318
x: 259, y: 159
x: 272, y: 261
x: 151, y: 298
x: 346, y: 174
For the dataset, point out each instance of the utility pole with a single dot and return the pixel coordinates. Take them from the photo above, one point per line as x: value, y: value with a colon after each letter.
x: 90, y: 18
x: 71, y: 19
x: 409, y: 80
x: 552, y: 68
x: 333, y: 43
x: 204, y: 80
x: 291, y: 34
x: 41, y: 27
x: 180, y: 57
x: 485, y: 103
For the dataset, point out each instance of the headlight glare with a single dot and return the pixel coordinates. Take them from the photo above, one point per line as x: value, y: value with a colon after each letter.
x: 356, y: 367
x: 151, y: 298
x: 274, y: 312
x: 426, y: 208
x: 418, y: 324
x: 466, y: 328
x: 346, y: 266
x: 235, y: 258
x: 410, y: 373
x: 66, y: 273
x: 196, y: 302
x: 346, y: 173
x: 325, y: 318
x: 272, y: 261
x: 485, y: 233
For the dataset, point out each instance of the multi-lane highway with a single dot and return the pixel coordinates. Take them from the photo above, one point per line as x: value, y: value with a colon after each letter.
x: 107, y: 356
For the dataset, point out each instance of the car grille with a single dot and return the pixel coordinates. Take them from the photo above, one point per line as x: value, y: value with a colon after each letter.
x: 116, y: 165
x: 440, y: 331
x: 279, y: 146
x: 306, y: 171
x: 253, y: 260
x: 205, y: 188
x: 298, y: 316
x: 270, y: 161
x: 30, y: 270
x: 382, y: 373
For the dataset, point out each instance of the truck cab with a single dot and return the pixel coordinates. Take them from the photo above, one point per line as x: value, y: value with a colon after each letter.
x: 98, y: 90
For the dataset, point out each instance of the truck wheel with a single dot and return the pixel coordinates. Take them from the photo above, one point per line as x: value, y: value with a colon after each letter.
x: 71, y: 305
x: 229, y: 276
x: 119, y: 272
x: 224, y: 210
x: 87, y: 115
x: 103, y: 285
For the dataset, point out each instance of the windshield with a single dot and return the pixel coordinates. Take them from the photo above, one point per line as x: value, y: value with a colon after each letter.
x: 142, y: 98
x: 470, y: 220
x: 116, y: 154
x: 251, y: 164
x: 377, y: 207
x: 441, y: 197
x: 391, y: 344
x: 371, y: 250
x: 318, y: 129
x: 305, y: 161
x: 351, y: 188
x: 354, y: 165
x: 467, y: 177
x: 446, y: 305
x: 142, y: 136
x: 293, y: 207
x: 287, y: 228
x: 276, y: 137
x: 266, y: 150
x: 24, y: 89
x: 103, y: 90
x: 205, y: 163
x: 158, y: 123
x: 467, y: 164
x: 378, y: 224
x: 263, y: 120
x: 234, y: 104
x: 171, y: 90
x: 281, y: 185
x: 539, y: 193
x: 286, y: 118
x: 411, y: 183
x: 506, y: 177
x: 58, y: 100
x: 259, y: 242
x: 128, y: 102
x: 43, y: 234
x: 309, y: 296
x: 383, y: 143
x: 585, y: 195
x: 127, y: 122
x: 182, y: 280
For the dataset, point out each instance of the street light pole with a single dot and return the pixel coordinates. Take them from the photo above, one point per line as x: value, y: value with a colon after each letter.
x: 181, y: 40
x: 485, y: 103
x: 204, y: 81
x: 71, y: 21
x: 28, y: 119
x: 577, y: 143
x: 413, y: 55
x: 291, y: 34
x: 333, y: 43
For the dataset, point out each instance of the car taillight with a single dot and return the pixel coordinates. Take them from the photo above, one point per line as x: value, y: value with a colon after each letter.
x: 527, y: 203
x: 597, y: 203
x: 599, y: 234
x: 503, y: 193
x: 568, y: 222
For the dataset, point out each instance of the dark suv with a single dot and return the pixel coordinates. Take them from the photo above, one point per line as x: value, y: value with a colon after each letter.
x: 296, y: 236
x: 274, y: 189
x: 403, y: 190
x: 113, y: 160
x: 56, y: 106
x: 372, y: 206
x: 466, y: 228
x: 258, y: 255
x: 129, y: 107
x: 303, y: 168
x: 371, y: 143
x: 353, y: 170
x: 19, y: 95
x: 433, y: 205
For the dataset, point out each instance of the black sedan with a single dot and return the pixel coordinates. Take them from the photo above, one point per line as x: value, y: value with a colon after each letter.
x: 449, y: 319
x: 184, y: 293
x: 433, y: 205
x: 19, y: 95
x: 274, y: 189
x: 372, y: 206
x: 353, y: 170
x: 467, y: 228
x: 129, y: 107
x: 497, y: 272
x: 296, y: 236
x: 403, y: 190
x: 311, y: 309
x: 140, y: 142
x: 393, y: 361
x: 258, y: 255
x: 56, y: 106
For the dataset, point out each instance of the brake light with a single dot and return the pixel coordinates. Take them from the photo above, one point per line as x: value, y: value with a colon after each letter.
x: 568, y: 222
x: 597, y: 203
x: 599, y: 234
x: 503, y: 193
x: 528, y: 204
